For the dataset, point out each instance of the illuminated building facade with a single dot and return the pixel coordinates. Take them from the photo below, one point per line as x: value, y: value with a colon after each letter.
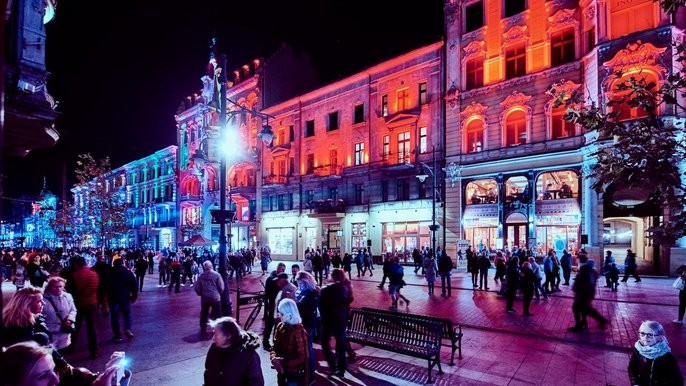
x: 523, y: 169
x: 341, y: 172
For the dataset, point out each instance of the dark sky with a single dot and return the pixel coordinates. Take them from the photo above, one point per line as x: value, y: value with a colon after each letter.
x: 120, y: 69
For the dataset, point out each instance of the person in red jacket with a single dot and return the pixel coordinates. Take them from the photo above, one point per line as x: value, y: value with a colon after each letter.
x: 86, y: 300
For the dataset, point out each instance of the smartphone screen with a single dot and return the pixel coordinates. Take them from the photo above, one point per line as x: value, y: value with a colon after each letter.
x: 121, y: 365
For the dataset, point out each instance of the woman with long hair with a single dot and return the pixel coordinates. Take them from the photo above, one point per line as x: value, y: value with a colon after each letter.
x: 307, y: 298
x: 23, y: 320
x: 290, y: 353
x: 232, y: 359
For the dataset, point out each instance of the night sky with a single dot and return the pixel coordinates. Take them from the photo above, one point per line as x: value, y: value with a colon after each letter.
x: 120, y: 75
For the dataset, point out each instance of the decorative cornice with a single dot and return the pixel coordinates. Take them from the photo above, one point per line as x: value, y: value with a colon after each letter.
x: 515, y: 33
x: 635, y: 54
x: 515, y: 99
x: 561, y: 18
x: 567, y: 87
x: 473, y: 47
x: 475, y: 108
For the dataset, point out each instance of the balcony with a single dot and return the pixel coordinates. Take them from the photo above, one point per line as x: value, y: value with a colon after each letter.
x: 328, y: 171
x: 327, y: 206
x: 190, y: 197
x: 274, y: 180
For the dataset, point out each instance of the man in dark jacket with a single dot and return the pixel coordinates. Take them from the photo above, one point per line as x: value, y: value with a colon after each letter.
x: 141, y: 269
x: 512, y: 280
x: 334, y: 304
x: 630, y: 266
x: 445, y: 267
x: 584, y: 292
x: 566, y: 264
x: 388, y: 261
x: 122, y: 291
x: 472, y: 265
x: 271, y: 291
x: 484, y: 264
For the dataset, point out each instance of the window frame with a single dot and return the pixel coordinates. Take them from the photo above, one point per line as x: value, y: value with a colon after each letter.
x: 525, y: 130
x: 423, y: 93
x: 469, y: 132
x: 358, y: 152
x: 465, y: 9
x: 570, y: 43
x: 516, y: 58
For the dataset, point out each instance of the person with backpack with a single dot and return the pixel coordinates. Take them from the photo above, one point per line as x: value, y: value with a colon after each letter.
x: 445, y: 267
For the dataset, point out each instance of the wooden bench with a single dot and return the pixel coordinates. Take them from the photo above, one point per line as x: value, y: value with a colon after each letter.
x: 397, y: 332
x: 452, y: 333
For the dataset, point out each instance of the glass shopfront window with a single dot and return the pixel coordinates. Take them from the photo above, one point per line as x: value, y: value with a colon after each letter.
x: 280, y: 241
x: 402, y: 238
x: 359, y: 236
x: 516, y: 188
x: 481, y: 238
x: 482, y: 192
x: 551, y: 233
x: 559, y: 184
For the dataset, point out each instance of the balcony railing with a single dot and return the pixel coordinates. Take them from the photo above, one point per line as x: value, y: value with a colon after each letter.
x: 328, y: 170
x: 273, y: 180
x: 327, y: 206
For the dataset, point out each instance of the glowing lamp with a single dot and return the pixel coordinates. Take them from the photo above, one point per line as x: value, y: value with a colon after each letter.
x: 630, y: 196
x: 266, y: 135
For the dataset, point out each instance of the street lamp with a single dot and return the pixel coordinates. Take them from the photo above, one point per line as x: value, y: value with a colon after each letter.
x: 422, y: 177
x: 222, y: 216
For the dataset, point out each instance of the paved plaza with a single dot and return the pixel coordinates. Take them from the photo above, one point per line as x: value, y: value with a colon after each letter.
x: 498, y: 348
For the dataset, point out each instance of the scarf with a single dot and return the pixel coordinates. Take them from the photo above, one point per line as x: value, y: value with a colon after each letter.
x: 651, y: 352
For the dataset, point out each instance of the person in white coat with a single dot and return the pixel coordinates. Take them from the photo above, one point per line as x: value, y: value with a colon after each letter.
x: 59, y: 312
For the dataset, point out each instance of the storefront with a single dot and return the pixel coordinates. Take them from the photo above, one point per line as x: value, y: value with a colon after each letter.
x: 401, y: 238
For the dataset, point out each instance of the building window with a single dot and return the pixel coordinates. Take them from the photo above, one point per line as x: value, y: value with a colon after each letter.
x: 333, y: 158
x: 281, y: 202
x: 333, y: 121
x: 358, y: 236
x: 403, y: 99
x: 384, y: 191
x: 273, y: 203
x: 309, y: 196
x: 422, y: 140
x: 619, y: 99
x: 475, y: 136
x: 291, y: 166
x: 386, y: 152
x: 513, y: 7
x: 358, y: 115
x: 560, y: 128
x: 359, y: 153
x: 474, y: 73
x: 474, y: 16
x: 562, y: 47
x: 404, y: 149
x: 515, y: 61
x: 281, y: 137
x: 282, y: 167
x: 631, y: 16
x: 310, y: 164
x: 291, y: 133
x: 357, y: 190
x: 290, y: 201
x: 423, y: 94
x: 515, y: 128
x: 402, y: 192
x: 333, y: 193
x: 309, y: 128
x: 384, y: 105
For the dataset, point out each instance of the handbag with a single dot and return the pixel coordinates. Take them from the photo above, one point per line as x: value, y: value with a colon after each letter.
x: 68, y: 329
x: 678, y: 283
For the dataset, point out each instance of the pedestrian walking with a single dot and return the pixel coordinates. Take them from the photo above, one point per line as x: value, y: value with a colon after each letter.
x: 418, y: 261
x: 175, y: 279
x: 395, y: 281
x: 388, y: 261
x: 584, y: 292
x: 512, y: 282
x: 232, y: 359
x: 472, y: 266
x: 681, y: 271
x: 162, y: 269
x: 613, y: 275
x: 348, y: 265
x: 609, y: 260
x: 122, y: 291
x: 430, y: 271
x: 445, y: 267
x: 151, y: 262
x: 59, y: 312
x: 483, y: 265
x: 307, y: 298
x: 209, y: 287
x: 271, y: 291
x: 499, y: 271
x: 539, y: 278
x: 85, y: 293
x: 141, y: 268
x: 566, y: 265
x: 651, y: 361
x: 528, y: 283
x: 631, y: 268
x: 103, y: 270
x: 334, y: 307
x: 290, y: 354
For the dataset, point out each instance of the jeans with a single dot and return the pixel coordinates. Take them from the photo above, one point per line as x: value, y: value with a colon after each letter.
x: 339, y: 361
x: 125, y: 308
x: 87, y: 313
x: 483, y: 279
x: 445, y: 281
x: 682, y: 304
x: 141, y: 279
x: 205, y: 311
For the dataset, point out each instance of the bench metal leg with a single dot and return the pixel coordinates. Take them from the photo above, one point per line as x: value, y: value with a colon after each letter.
x: 438, y: 362
x: 430, y: 368
x: 452, y: 355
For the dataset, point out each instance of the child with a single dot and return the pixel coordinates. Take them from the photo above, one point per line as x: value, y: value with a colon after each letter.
x: 613, y: 275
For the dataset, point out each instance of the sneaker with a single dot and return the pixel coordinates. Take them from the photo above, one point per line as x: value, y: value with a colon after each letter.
x: 117, y: 339
x: 128, y: 333
x: 678, y: 321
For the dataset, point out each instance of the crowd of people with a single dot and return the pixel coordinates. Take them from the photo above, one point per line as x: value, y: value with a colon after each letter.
x: 42, y: 320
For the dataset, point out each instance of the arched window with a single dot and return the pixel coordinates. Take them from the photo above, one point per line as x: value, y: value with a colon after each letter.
x: 515, y: 128
x: 559, y: 127
x: 474, y: 136
x: 628, y: 112
x: 482, y: 192
x: 190, y: 185
x: 557, y: 184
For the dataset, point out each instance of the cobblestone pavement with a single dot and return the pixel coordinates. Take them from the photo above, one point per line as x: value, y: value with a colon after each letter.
x: 498, y: 348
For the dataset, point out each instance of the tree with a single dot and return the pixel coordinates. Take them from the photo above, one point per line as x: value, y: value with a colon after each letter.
x: 644, y: 153
x: 101, y: 211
